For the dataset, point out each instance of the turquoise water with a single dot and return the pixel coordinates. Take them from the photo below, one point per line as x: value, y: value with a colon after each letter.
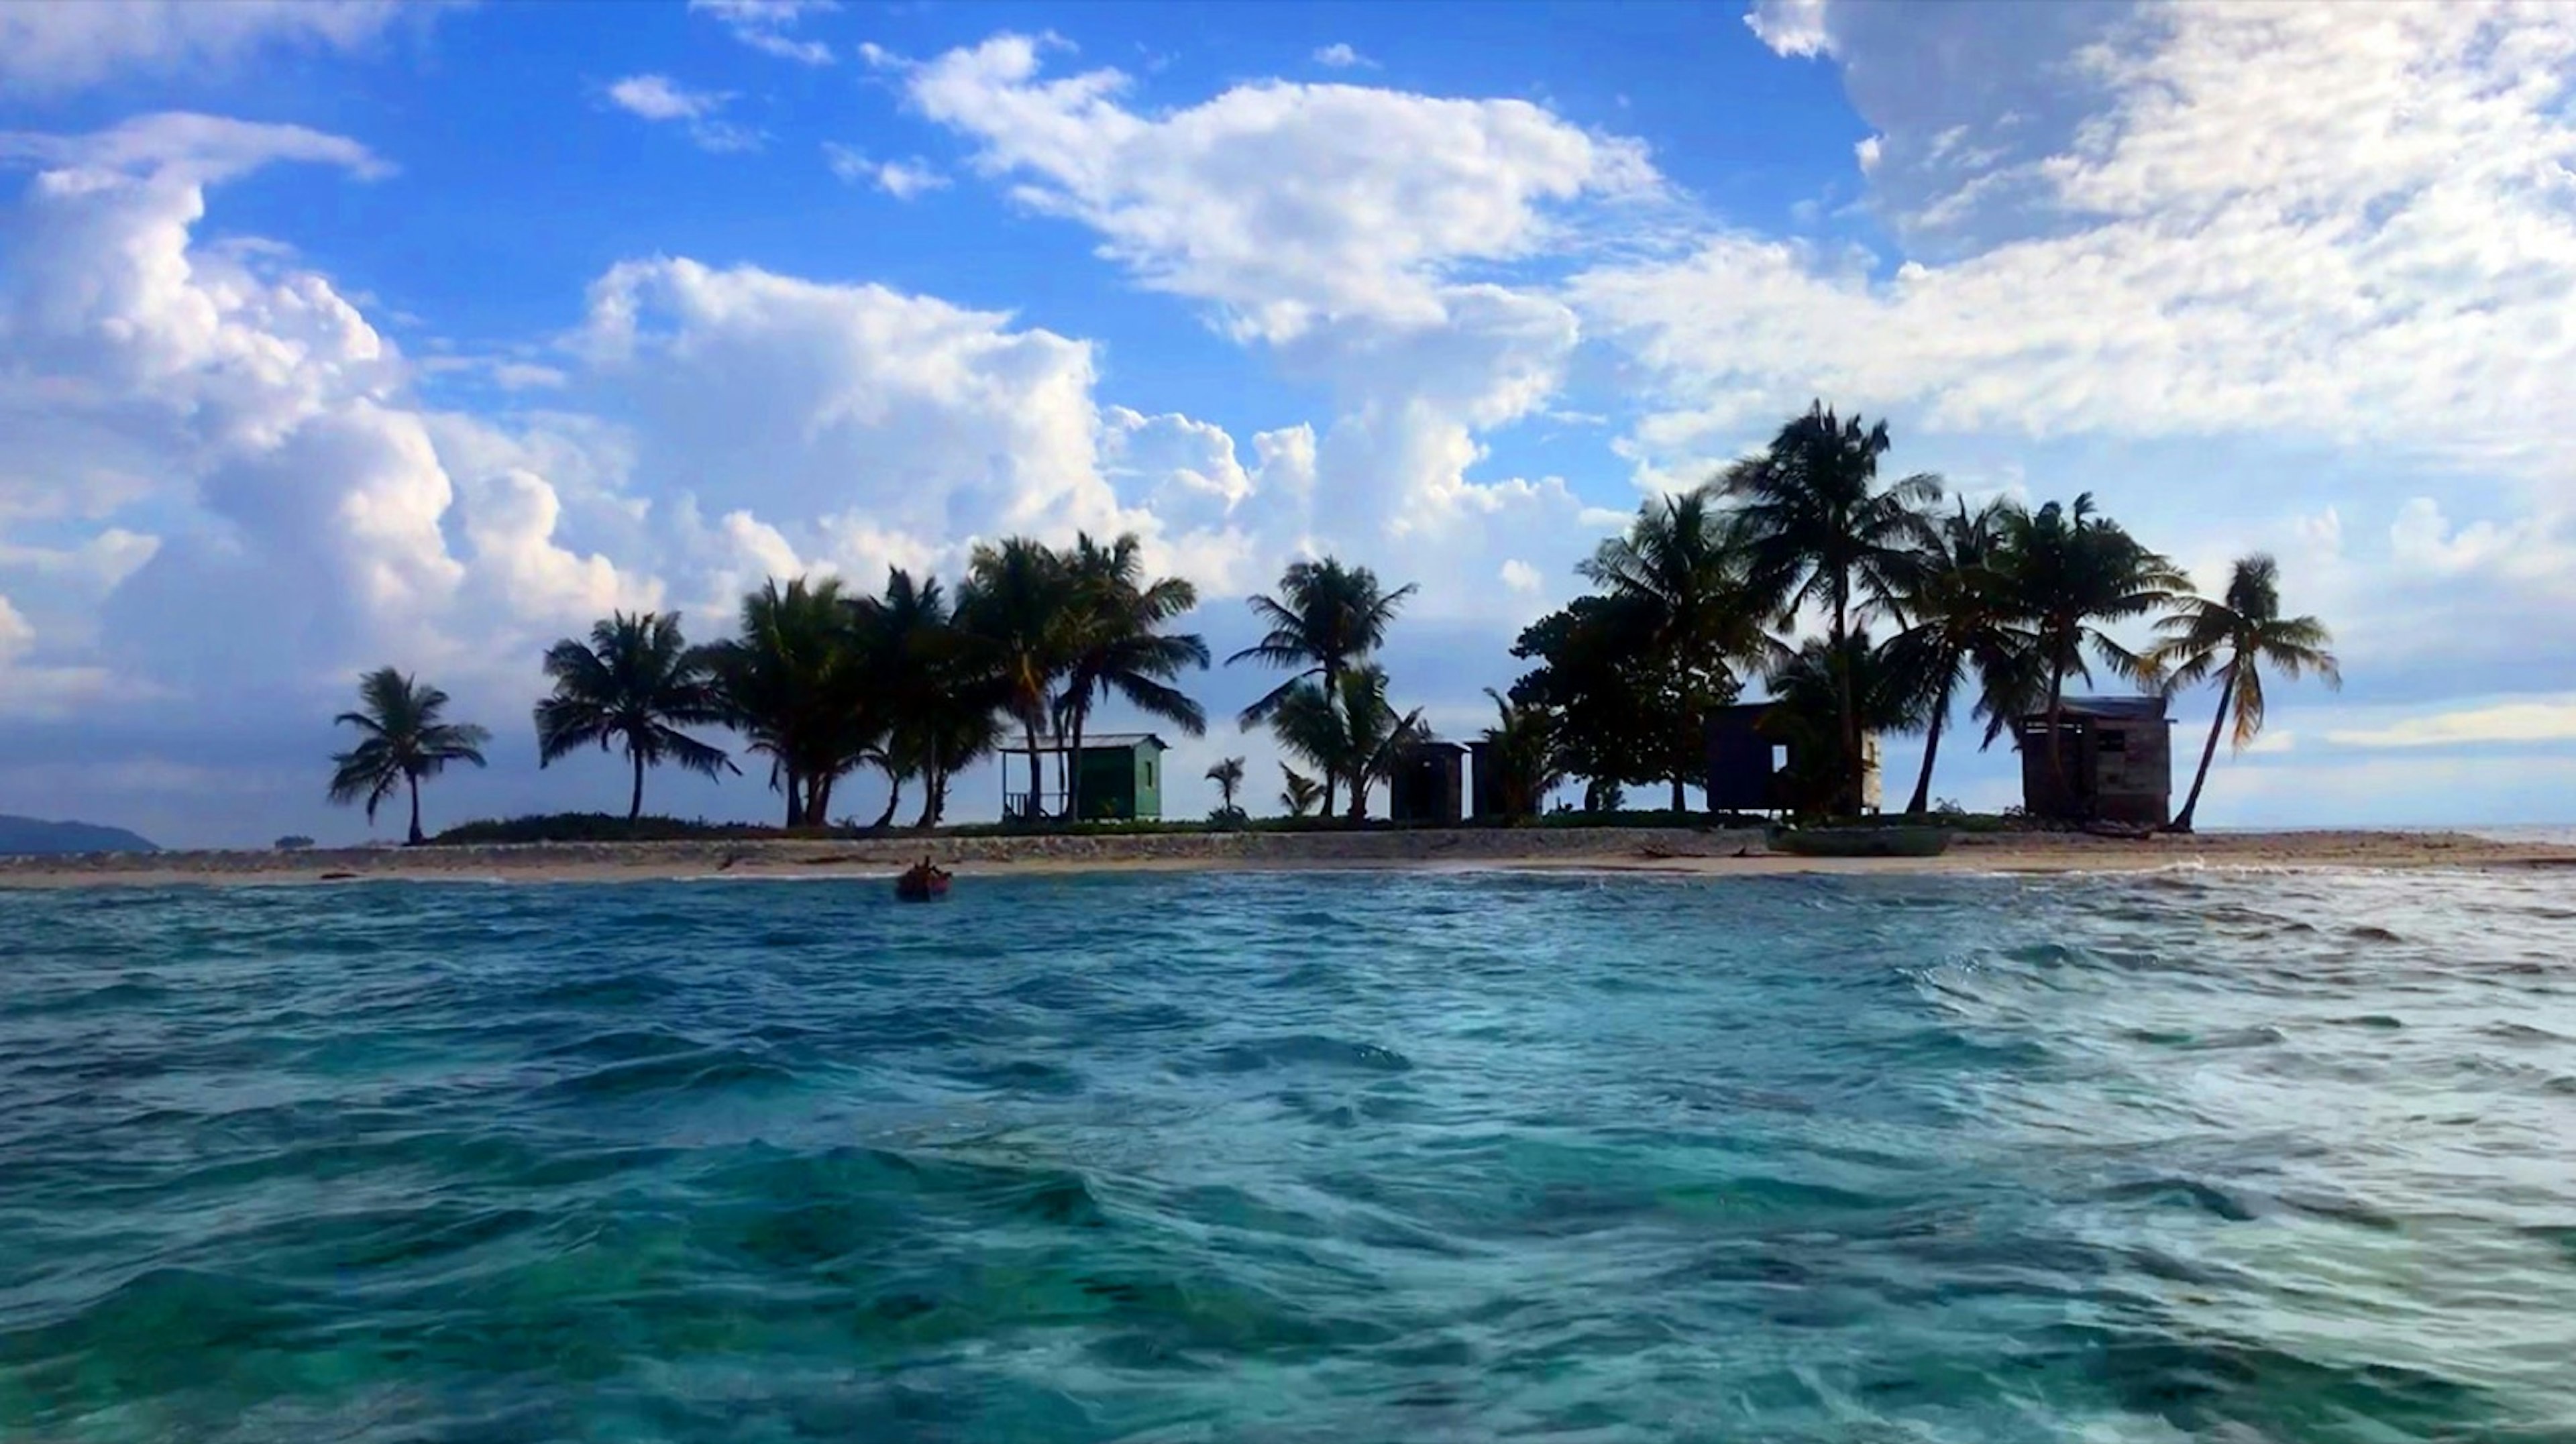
x: 1293, y: 1157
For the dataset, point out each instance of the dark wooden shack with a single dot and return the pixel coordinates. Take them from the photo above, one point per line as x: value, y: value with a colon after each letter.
x: 1428, y: 787
x: 2116, y: 759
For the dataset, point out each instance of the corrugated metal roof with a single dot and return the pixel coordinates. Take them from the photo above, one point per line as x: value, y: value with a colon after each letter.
x: 2133, y: 709
x: 1090, y: 740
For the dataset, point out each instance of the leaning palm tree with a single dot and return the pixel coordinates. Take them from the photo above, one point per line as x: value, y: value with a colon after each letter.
x: 1118, y: 645
x: 1298, y: 792
x: 1677, y: 578
x: 1227, y: 774
x: 1016, y: 606
x: 1959, y: 623
x: 1326, y: 619
x: 2232, y: 638
x: 636, y: 683
x: 1527, y: 759
x: 401, y: 740
x: 1817, y: 529
x: 2066, y: 570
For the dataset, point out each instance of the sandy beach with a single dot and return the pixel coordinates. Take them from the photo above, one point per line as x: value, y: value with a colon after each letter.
x: 1663, y: 850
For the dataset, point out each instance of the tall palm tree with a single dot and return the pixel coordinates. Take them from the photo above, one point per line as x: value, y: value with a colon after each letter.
x: 1016, y: 606
x: 1298, y: 792
x: 401, y: 740
x: 2232, y: 638
x: 1118, y: 645
x: 916, y: 668
x: 1326, y: 619
x: 1227, y: 774
x: 795, y: 685
x: 636, y: 682
x: 2066, y: 570
x: 1960, y: 623
x: 1817, y: 528
x: 1527, y: 760
x: 1354, y: 734
x: 1677, y: 576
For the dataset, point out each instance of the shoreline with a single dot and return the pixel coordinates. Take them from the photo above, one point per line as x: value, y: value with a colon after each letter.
x: 1660, y: 851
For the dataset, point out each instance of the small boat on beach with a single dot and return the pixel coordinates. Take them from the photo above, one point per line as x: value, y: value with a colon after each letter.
x: 921, y: 883
x: 1862, y: 841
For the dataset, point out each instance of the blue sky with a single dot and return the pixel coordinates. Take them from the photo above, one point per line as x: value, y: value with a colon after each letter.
x: 341, y: 332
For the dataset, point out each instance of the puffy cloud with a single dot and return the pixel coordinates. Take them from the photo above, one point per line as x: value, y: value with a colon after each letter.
x: 901, y: 179
x: 1791, y: 27
x: 656, y: 98
x: 1285, y: 205
x: 1340, y: 56
x: 50, y: 48
x: 764, y: 25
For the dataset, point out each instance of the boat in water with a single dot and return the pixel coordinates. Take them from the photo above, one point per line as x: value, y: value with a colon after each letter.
x: 921, y: 882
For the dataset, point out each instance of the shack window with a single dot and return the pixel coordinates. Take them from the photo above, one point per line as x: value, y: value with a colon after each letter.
x: 2115, y: 742
x: 1149, y: 772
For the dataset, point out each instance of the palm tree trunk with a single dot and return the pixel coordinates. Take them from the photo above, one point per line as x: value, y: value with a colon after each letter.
x: 635, y: 800
x: 1332, y: 700
x: 2056, y: 749
x: 1855, y: 782
x: 2209, y: 750
x: 795, y: 798
x: 1922, y: 801
x: 413, y: 779
x: 894, y: 798
x: 1037, y: 778
x: 1679, y: 802
x: 1073, y: 777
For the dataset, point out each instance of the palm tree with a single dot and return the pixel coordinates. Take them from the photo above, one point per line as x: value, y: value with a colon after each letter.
x: 1326, y: 619
x: 637, y: 682
x: 1298, y: 793
x: 1527, y: 762
x: 910, y: 651
x: 2230, y: 638
x: 795, y: 685
x: 401, y: 740
x: 1117, y: 645
x: 1354, y: 734
x: 1808, y: 693
x: 1818, y: 529
x: 1961, y: 623
x: 2066, y: 569
x: 1677, y: 578
x: 1016, y: 606
x: 1228, y: 777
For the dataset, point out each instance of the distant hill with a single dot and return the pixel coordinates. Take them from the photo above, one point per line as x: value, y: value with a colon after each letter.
x: 20, y: 835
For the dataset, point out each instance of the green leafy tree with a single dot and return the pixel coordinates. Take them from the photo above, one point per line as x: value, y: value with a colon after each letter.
x: 1017, y: 606
x: 1354, y: 734
x: 1619, y: 722
x: 2233, y: 638
x: 1118, y: 645
x: 635, y: 684
x: 1817, y: 528
x: 2068, y: 571
x: 1524, y: 756
x: 1686, y: 601
x: 1808, y: 694
x: 1227, y: 774
x: 1326, y: 619
x: 1959, y: 625
x: 1298, y: 792
x: 402, y: 739
x: 795, y: 684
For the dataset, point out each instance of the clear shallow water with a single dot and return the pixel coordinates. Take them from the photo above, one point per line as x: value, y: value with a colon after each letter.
x: 1345, y: 1157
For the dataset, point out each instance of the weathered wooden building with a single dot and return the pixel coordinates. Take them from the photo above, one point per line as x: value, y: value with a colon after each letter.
x: 1752, y: 769
x: 2113, y: 761
x: 1428, y: 787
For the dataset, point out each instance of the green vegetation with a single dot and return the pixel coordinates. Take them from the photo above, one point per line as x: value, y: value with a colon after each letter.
x: 1697, y: 602
x: 401, y: 740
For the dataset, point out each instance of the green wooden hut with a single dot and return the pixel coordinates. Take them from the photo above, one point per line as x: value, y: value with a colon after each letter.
x: 1121, y: 778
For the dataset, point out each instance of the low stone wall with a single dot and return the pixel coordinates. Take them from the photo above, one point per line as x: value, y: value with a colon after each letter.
x: 1286, y: 848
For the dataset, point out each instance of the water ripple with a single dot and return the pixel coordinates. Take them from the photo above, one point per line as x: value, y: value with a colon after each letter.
x: 2245, y: 1157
